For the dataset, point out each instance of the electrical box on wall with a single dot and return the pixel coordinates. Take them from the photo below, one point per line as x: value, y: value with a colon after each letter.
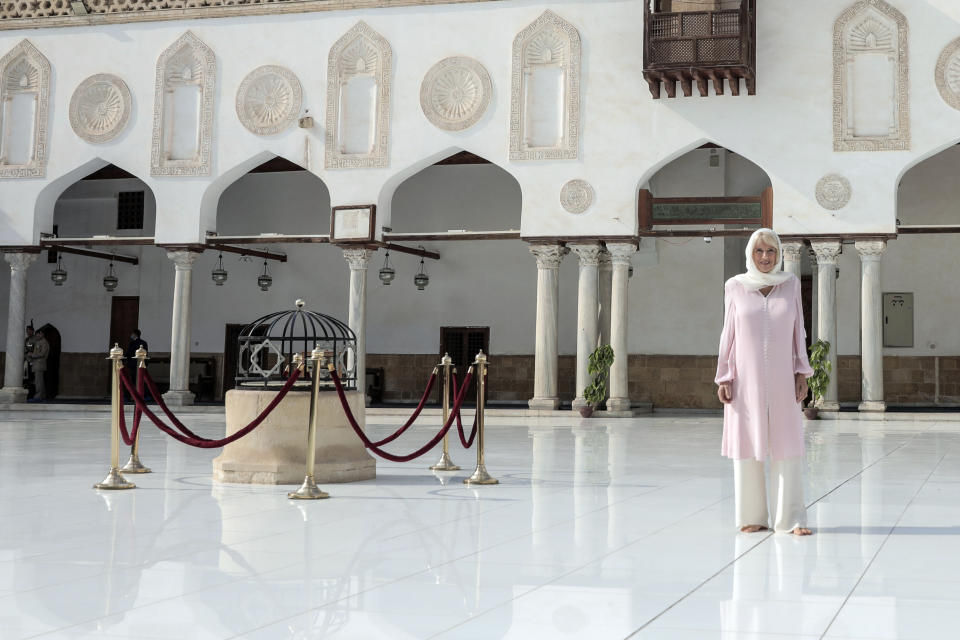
x: 898, y: 319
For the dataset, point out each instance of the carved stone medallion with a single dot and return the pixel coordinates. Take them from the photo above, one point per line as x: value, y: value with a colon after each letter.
x: 948, y: 74
x: 268, y: 100
x: 576, y: 196
x: 833, y: 192
x: 455, y: 93
x: 100, y: 108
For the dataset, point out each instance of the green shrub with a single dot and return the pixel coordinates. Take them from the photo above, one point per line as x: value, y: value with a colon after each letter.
x: 598, y: 366
x: 822, y: 368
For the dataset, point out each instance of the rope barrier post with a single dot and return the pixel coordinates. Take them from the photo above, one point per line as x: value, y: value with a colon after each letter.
x: 446, y: 463
x: 480, y: 475
x: 115, y: 479
x: 133, y: 464
x: 309, y: 489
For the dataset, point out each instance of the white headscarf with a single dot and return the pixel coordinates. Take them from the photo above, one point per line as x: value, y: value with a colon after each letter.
x: 754, y: 279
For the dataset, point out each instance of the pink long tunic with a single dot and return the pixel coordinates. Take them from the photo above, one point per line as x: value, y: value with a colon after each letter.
x: 762, y: 346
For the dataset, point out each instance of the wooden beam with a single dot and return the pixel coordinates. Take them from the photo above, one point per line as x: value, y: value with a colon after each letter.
x: 243, y: 251
x: 98, y: 241
x: 277, y: 238
x: 928, y: 228
x: 399, y: 248
x: 453, y: 235
x: 96, y: 254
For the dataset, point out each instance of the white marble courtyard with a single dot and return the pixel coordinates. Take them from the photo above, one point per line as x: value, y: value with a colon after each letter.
x: 599, y: 530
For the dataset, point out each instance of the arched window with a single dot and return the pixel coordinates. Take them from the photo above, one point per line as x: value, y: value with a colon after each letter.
x: 25, y: 90
x: 183, y: 109
x: 358, y: 100
x: 870, y: 89
x: 545, y: 97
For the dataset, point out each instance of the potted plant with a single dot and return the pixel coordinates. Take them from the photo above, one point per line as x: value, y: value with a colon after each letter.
x: 818, y: 382
x: 598, y: 366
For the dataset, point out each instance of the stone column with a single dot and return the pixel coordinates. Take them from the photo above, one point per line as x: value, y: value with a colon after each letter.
x: 814, y: 296
x: 545, y: 394
x: 606, y: 276
x: 13, y: 390
x: 179, y: 394
x: 359, y: 260
x: 620, y: 254
x: 587, y: 314
x: 791, y: 256
x: 827, y: 253
x: 871, y: 325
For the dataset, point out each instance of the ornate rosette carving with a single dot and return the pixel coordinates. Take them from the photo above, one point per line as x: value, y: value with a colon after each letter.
x: 947, y: 74
x: 576, y: 196
x: 269, y: 100
x: 833, y: 192
x: 100, y: 108
x: 455, y: 93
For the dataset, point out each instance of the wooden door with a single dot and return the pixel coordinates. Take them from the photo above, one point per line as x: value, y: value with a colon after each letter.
x: 463, y: 343
x: 124, y: 318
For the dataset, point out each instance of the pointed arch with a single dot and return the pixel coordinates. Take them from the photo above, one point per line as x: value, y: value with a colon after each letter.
x: 361, y: 61
x: 183, y: 109
x: 24, y: 98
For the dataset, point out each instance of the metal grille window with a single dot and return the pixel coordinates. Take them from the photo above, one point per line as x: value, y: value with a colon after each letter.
x: 130, y: 210
x: 463, y: 343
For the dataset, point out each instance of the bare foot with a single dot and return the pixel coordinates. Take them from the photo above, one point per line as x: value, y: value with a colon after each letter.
x: 753, y: 528
x: 801, y: 531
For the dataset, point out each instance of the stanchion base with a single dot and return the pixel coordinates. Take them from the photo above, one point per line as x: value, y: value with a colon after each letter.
x: 134, y: 466
x: 445, y: 464
x: 114, y: 480
x: 480, y: 476
x: 308, y: 491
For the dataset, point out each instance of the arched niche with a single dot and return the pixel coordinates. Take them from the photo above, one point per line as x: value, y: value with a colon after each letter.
x: 870, y: 79
x: 358, y: 100
x: 183, y: 109
x: 24, y: 96
x: 545, y: 91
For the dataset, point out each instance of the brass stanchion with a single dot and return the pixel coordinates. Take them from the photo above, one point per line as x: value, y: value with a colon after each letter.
x: 133, y: 464
x: 480, y: 475
x: 309, y: 489
x: 446, y: 464
x: 115, y: 479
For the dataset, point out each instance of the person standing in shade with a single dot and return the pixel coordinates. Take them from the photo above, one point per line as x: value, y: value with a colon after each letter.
x: 27, y: 350
x: 130, y: 354
x: 38, y: 363
x: 762, y: 376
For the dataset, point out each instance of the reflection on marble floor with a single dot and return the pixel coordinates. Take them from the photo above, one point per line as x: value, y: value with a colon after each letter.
x: 602, y: 530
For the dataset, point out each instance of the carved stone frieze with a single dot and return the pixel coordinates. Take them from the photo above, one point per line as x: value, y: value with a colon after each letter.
x: 455, y: 93
x: 833, y: 192
x: 870, y: 27
x: 100, y: 108
x: 947, y: 74
x: 25, y: 71
x: 550, y: 41
x: 576, y: 196
x: 269, y: 100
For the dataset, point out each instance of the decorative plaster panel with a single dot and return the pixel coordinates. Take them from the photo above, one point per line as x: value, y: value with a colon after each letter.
x: 187, y: 62
x: 455, y: 93
x: 361, y: 52
x: 100, y: 108
x: 268, y: 100
x: 25, y: 71
x: 868, y: 32
x: 947, y: 74
x: 576, y: 196
x: 550, y: 41
x: 833, y: 192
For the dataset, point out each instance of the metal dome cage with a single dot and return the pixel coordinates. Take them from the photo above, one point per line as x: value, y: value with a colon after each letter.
x: 267, y: 345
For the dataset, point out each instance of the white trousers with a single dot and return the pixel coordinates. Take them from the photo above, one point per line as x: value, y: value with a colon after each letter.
x: 750, y: 493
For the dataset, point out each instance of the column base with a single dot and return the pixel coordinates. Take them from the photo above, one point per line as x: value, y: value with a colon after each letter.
x: 618, y: 404
x: 178, y: 398
x: 13, y: 395
x: 578, y: 403
x: 548, y: 404
x: 872, y: 405
x: 823, y: 405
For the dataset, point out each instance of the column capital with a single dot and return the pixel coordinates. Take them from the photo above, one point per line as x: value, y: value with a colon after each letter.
x: 870, y: 249
x: 184, y: 259
x: 589, y: 254
x: 605, y: 260
x: 791, y: 249
x: 548, y: 256
x: 20, y: 261
x: 358, y: 258
x: 826, y: 251
x: 621, y: 252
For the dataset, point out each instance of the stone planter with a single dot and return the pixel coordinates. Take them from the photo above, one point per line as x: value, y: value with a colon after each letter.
x: 586, y: 412
x: 811, y: 413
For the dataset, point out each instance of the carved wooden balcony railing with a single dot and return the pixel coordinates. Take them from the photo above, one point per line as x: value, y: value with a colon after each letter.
x: 698, y: 46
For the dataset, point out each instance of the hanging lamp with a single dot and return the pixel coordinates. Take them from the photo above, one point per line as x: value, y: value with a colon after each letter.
x: 59, y: 275
x: 219, y: 274
x: 110, y: 281
x: 387, y: 272
x: 265, y: 279
x: 421, y: 279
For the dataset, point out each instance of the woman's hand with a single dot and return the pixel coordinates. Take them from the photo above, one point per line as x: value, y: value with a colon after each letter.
x: 800, y: 385
x: 725, y: 392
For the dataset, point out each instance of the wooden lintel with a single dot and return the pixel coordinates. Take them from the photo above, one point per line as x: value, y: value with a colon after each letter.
x: 270, y: 239
x: 935, y: 228
x: 452, y: 236
x: 399, y: 248
x: 243, y: 251
x: 104, y: 241
x: 95, y: 254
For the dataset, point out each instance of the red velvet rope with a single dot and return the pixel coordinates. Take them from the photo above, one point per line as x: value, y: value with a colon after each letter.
x: 152, y: 386
x: 384, y: 454
x: 416, y: 414
x: 204, y: 443
x: 137, y: 414
x: 466, y: 442
x: 128, y: 437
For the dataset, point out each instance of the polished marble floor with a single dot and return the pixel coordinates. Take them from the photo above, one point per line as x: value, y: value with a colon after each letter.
x: 598, y: 530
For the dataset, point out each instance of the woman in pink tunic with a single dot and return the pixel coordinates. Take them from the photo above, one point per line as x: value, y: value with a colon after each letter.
x: 761, y: 375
